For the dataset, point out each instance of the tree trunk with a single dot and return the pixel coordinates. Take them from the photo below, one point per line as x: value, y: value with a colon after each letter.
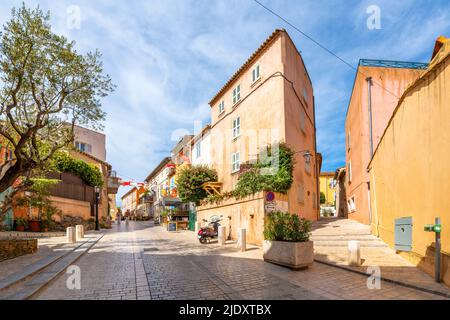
x: 11, y: 175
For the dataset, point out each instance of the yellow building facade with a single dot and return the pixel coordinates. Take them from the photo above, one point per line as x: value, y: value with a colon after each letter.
x: 410, y: 169
x: 326, y: 187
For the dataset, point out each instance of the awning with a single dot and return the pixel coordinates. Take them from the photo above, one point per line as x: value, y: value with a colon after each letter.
x: 169, y: 201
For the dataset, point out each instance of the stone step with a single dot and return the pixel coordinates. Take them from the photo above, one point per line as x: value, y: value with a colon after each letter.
x: 344, y: 243
x: 31, y: 285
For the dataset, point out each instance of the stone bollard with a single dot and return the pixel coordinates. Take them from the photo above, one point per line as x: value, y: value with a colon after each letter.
x: 197, y: 227
x: 70, y: 235
x: 222, y: 235
x: 242, y: 240
x: 354, y: 255
x: 79, y: 232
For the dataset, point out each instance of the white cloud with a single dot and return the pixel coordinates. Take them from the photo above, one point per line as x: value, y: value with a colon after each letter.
x: 168, y: 58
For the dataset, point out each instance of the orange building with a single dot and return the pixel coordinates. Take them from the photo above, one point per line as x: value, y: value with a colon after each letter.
x: 376, y: 91
x: 410, y: 169
x: 269, y: 99
x: 130, y: 200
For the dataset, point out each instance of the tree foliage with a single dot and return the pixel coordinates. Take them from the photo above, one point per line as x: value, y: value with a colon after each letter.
x: 190, y: 180
x: 323, y: 198
x: 38, y: 196
x: 46, y: 88
x: 89, y: 173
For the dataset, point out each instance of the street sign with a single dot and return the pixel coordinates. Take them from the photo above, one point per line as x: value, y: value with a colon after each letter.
x: 270, y: 196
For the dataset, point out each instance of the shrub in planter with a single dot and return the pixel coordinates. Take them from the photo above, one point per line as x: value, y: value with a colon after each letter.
x: 287, y: 240
x: 21, y: 224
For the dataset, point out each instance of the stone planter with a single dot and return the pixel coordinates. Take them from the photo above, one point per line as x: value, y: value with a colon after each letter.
x: 295, y: 255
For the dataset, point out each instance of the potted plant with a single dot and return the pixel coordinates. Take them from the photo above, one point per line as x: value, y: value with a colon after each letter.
x: 287, y: 240
x: 165, y: 216
x: 21, y: 224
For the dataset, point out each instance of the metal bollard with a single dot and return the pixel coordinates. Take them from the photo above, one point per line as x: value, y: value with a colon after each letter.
x: 437, y: 262
x: 354, y: 255
x: 70, y: 235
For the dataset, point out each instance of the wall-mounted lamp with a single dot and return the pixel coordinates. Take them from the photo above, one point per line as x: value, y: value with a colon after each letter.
x: 307, y: 156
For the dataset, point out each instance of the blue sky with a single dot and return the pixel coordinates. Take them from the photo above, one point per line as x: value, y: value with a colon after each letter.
x: 168, y: 58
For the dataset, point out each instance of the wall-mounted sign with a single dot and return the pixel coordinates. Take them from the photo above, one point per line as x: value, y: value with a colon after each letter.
x: 270, y: 196
x: 276, y: 206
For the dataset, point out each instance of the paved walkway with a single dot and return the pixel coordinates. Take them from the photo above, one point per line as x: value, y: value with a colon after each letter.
x: 331, y: 238
x: 142, y: 261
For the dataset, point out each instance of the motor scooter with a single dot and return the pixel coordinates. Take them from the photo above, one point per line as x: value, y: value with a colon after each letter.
x: 211, y: 231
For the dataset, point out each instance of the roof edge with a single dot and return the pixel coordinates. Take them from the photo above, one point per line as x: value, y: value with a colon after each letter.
x: 250, y: 60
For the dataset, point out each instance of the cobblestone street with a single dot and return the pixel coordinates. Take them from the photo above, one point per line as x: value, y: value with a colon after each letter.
x: 142, y: 261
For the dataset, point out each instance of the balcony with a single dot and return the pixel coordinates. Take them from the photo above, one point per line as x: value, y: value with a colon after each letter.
x: 113, y: 182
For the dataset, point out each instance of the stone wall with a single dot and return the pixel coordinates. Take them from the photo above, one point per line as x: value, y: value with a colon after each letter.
x: 245, y: 213
x: 12, y: 248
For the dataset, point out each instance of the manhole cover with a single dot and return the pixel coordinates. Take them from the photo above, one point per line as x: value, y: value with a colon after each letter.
x: 150, y: 249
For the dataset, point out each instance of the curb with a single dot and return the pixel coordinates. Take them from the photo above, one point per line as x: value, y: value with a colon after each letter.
x: 403, y: 284
x: 24, y: 295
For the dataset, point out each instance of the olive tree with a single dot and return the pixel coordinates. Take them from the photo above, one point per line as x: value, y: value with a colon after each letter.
x: 46, y: 88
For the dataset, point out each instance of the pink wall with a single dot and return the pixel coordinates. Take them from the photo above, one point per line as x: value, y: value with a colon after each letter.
x: 388, y: 86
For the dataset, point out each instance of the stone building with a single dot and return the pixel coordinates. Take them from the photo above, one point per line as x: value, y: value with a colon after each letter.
x: 268, y: 100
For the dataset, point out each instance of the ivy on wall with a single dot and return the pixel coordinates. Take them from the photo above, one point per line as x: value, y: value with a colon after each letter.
x: 269, y: 173
x: 89, y: 173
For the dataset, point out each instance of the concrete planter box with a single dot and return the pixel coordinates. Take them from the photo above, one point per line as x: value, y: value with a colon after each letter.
x: 295, y: 255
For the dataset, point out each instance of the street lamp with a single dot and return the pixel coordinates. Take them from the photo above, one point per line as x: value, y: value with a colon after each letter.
x: 97, y: 196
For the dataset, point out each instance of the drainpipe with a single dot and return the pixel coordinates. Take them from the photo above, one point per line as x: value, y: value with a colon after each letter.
x: 315, y: 160
x: 369, y: 94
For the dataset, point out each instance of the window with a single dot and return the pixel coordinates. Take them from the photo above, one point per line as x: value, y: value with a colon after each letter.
x: 83, y: 147
x: 237, y: 94
x: 303, y: 121
x: 221, y: 107
x: 255, y: 73
x: 305, y: 94
x: 301, y: 194
x: 198, y: 151
x: 349, y: 171
x: 236, y: 127
x: 235, y: 162
x: 314, y: 200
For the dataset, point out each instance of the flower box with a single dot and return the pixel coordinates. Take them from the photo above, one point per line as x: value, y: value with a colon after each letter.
x: 295, y: 255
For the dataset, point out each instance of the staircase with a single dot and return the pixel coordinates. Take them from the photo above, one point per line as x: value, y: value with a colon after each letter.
x: 332, y: 232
